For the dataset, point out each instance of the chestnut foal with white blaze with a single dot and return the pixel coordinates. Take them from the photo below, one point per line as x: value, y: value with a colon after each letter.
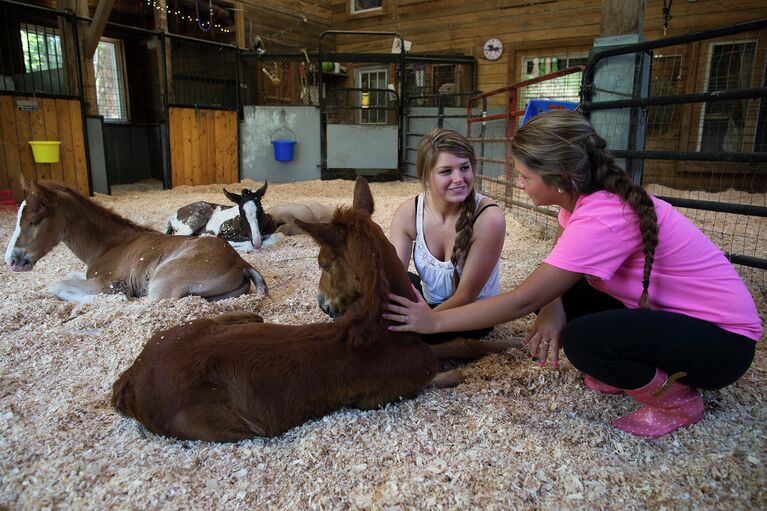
x: 120, y: 255
x: 233, y: 377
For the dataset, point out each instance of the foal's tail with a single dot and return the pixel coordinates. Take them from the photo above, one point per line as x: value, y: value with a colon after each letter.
x: 257, y: 280
x: 122, y: 394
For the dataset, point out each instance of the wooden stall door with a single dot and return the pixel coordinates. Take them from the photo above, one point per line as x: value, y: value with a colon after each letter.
x: 203, y: 146
x: 27, y: 118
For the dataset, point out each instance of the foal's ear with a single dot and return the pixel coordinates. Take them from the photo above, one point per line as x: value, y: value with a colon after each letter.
x: 28, y: 186
x: 326, y: 235
x: 232, y: 196
x: 363, y: 199
x: 261, y: 191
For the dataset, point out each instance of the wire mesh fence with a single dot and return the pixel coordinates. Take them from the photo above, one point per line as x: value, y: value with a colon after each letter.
x: 696, y: 135
x: 202, y: 74
x: 492, y: 129
x: 32, y: 52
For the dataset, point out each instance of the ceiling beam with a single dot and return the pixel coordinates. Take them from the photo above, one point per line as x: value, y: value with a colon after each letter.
x: 96, y: 28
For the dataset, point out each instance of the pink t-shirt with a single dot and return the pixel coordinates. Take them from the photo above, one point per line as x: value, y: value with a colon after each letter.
x: 690, y: 275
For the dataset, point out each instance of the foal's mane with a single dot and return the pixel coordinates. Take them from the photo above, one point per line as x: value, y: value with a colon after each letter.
x: 90, y: 205
x: 375, y: 261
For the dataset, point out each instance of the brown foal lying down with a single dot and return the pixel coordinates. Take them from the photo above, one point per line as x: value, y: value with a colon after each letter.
x: 120, y: 255
x: 232, y: 377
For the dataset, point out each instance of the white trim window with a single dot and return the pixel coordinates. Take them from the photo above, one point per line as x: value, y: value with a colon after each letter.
x: 109, y: 67
x: 563, y: 88
x: 358, y: 6
x: 722, y: 123
x: 41, y: 48
x: 373, y: 78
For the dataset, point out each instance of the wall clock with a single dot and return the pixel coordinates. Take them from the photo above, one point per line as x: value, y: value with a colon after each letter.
x: 492, y: 49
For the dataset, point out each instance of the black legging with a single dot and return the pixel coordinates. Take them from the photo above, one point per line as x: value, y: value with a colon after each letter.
x: 445, y: 336
x: 622, y: 347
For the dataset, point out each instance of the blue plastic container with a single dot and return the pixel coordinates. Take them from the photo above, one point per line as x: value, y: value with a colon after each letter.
x: 537, y: 106
x: 283, y: 149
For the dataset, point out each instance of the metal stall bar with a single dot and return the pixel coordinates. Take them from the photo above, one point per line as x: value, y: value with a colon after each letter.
x: 440, y: 116
x: 511, y: 115
x: 706, y: 97
x: 348, y: 57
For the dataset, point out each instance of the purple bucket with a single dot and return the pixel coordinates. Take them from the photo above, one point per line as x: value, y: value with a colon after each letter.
x: 283, y: 149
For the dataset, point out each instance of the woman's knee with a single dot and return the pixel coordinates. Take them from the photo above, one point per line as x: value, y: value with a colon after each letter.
x: 580, y: 342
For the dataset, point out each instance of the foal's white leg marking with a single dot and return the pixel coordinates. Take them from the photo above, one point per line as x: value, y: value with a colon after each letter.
x: 251, y: 215
x: 76, y: 290
x: 15, y: 236
x: 273, y: 239
x: 242, y: 246
x: 76, y: 275
x: 220, y: 216
x: 179, y: 227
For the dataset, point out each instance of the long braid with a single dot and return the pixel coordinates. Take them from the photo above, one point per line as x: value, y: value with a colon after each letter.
x: 612, y: 178
x: 562, y: 147
x: 464, y: 230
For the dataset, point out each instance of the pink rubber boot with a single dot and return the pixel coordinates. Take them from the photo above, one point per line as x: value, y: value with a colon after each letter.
x: 597, y: 385
x: 668, y: 406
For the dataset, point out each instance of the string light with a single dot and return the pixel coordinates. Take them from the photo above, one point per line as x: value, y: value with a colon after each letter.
x: 168, y: 10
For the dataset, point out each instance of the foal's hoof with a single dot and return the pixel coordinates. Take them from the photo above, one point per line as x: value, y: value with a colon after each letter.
x: 447, y: 379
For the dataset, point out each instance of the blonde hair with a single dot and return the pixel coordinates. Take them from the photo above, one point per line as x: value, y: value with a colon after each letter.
x: 563, y: 148
x: 434, y: 143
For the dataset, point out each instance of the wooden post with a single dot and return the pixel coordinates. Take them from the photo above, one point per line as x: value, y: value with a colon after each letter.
x: 80, y: 8
x: 161, y: 23
x: 68, y: 48
x: 621, y: 17
x: 96, y: 28
x: 239, y: 24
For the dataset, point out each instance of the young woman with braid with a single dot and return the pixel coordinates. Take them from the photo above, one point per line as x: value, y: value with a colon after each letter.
x: 640, y: 299
x: 454, y: 233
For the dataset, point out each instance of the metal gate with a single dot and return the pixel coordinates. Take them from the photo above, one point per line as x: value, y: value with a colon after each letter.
x: 697, y: 135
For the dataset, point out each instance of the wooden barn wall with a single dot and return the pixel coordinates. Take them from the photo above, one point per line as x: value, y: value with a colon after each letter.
x: 460, y: 27
x: 285, y: 25
x: 203, y: 146
x: 56, y: 119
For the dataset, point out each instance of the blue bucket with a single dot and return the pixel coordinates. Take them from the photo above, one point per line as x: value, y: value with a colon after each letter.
x: 283, y: 149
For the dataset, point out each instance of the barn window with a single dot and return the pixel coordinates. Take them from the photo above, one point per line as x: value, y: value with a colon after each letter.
x: 365, y: 5
x: 110, y: 79
x: 722, y: 122
x: 44, y: 67
x: 374, y: 78
x: 563, y: 88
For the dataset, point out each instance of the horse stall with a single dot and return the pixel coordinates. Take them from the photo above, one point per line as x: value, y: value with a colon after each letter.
x: 41, y: 103
x: 203, y: 105
x: 349, y: 113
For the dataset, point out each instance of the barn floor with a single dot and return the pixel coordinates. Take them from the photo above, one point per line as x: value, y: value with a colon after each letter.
x: 515, y: 435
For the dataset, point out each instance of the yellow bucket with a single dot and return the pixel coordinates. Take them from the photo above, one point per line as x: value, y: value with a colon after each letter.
x: 45, y: 151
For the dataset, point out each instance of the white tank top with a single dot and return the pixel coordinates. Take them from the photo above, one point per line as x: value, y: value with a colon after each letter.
x: 437, y: 276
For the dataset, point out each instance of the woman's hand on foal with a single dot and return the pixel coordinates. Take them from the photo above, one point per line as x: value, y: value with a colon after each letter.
x: 414, y: 316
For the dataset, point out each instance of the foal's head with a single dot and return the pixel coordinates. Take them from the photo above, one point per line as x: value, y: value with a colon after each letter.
x: 252, y: 216
x: 39, y: 227
x: 355, y: 256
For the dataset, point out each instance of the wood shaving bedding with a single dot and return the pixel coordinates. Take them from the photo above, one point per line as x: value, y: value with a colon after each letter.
x: 514, y: 435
